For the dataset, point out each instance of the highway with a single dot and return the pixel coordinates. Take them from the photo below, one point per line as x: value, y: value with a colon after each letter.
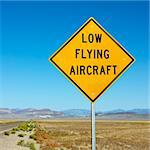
x: 8, y: 125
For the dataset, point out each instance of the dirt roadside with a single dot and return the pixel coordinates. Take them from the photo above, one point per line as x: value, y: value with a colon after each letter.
x: 19, y: 137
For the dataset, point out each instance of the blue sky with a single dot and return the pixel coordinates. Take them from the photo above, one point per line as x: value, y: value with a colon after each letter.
x: 33, y: 31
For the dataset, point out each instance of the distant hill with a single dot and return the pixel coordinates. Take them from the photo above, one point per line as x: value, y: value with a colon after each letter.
x: 76, y: 112
x: 31, y: 113
x: 28, y: 113
x: 119, y: 114
x: 132, y: 111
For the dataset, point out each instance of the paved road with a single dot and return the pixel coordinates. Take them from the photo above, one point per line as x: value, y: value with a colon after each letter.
x: 7, y: 126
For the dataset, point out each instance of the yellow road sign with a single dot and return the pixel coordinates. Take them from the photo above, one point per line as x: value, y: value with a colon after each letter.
x: 92, y: 59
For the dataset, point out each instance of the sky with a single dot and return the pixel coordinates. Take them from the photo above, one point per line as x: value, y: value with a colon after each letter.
x: 33, y: 31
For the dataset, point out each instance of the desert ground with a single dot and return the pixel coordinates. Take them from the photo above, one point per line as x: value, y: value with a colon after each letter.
x: 73, y: 134
x: 110, y: 135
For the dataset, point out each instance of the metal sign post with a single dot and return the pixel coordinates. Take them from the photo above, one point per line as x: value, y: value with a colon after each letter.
x: 93, y: 127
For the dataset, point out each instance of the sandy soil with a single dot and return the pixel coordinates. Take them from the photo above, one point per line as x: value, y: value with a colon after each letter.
x: 10, y: 142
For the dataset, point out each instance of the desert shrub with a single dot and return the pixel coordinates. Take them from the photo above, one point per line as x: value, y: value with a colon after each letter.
x: 28, y: 126
x: 13, y: 132
x: 27, y: 144
x: 32, y: 136
x: 32, y: 146
x: 30, y: 129
x: 21, y: 143
x: 6, y: 133
x: 15, y: 129
x: 21, y: 135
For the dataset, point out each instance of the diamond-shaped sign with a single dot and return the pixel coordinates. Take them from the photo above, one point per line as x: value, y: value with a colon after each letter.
x: 92, y: 59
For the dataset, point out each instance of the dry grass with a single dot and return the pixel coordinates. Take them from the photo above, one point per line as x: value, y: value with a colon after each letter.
x: 111, y: 135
